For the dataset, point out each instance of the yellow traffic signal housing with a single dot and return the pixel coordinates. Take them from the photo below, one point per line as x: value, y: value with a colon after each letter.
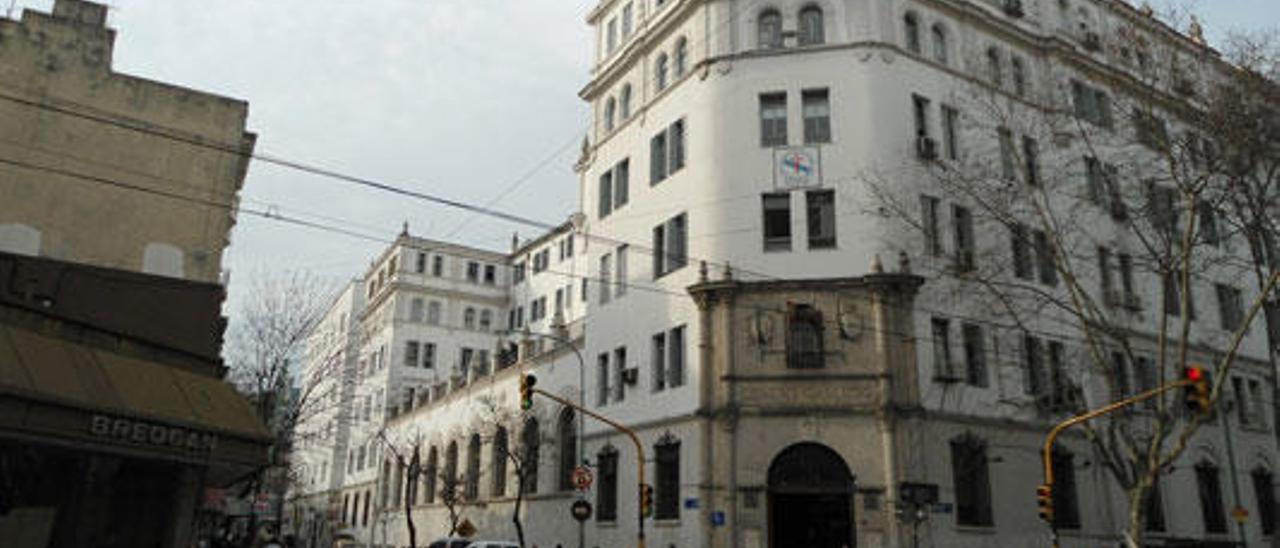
x: 646, y: 500
x: 1044, y: 498
x: 527, y: 383
x: 1196, y: 391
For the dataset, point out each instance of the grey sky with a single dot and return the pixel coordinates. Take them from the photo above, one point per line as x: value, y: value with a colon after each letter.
x: 451, y: 97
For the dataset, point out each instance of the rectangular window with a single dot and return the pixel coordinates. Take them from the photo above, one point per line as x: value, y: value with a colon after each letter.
x: 416, y: 310
x: 1045, y: 259
x: 677, y: 146
x: 675, y: 357
x: 1019, y: 240
x: 621, y: 185
x: 1031, y: 160
x: 583, y: 294
x: 411, y: 353
x: 1150, y: 129
x: 971, y: 482
x: 421, y: 265
x: 607, y: 488
x: 975, y: 355
x: 777, y: 221
x: 490, y: 274
x: 437, y: 266
x: 804, y: 337
x: 428, y: 355
x: 929, y: 206
x: 1066, y: 503
x: 1209, y: 230
x: 1033, y: 374
x: 1173, y: 297
x: 657, y: 362
x: 517, y: 272
x: 920, y: 115
x: 1008, y: 156
x: 433, y: 312
x: 1106, y: 275
x: 1209, y: 489
x: 1155, y: 508
x: 658, y: 158
x: 605, y: 278
x: 620, y: 283
x: 667, y: 489
x: 620, y: 370
x: 963, y: 231
x: 940, y: 330
x: 773, y: 119
x: 602, y: 379
x: 473, y: 272
x: 611, y: 37
x: 670, y: 241
x: 606, y: 194
x: 626, y: 20
x: 816, y: 109
x: 559, y: 300
x: 1230, y: 307
x: 950, y: 129
x: 1120, y: 375
x: 822, y: 218
x: 1091, y: 104
x: 1264, y: 493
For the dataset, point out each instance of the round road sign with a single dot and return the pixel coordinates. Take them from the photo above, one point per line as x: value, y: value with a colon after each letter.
x: 581, y: 510
x: 582, y: 478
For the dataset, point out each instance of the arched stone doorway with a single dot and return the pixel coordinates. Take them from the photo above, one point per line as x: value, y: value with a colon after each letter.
x: 810, y: 498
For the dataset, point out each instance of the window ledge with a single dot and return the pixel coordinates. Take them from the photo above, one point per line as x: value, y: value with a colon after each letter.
x: 976, y: 529
x: 610, y: 524
x: 671, y: 523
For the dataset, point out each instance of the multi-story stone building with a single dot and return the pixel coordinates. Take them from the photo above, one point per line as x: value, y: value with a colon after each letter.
x: 736, y: 314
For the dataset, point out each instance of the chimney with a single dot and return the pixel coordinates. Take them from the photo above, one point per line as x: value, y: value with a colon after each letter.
x: 79, y: 11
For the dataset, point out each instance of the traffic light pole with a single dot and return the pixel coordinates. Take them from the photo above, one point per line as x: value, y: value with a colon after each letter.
x: 639, y: 455
x: 1046, y: 453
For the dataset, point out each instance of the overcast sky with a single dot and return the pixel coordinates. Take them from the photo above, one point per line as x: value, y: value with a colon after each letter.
x: 459, y: 98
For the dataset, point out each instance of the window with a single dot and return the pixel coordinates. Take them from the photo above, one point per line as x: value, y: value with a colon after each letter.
x: 669, y: 245
x: 1031, y: 160
x: 1007, y: 154
x: 490, y: 274
x: 621, y: 183
x: 486, y: 319
x: 677, y: 146
x: 1066, y: 506
x: 1045, y: 259
x: 940, y: 44
x: 777, y: 221
x: 773, y: 119
x: 421, y: 265
x: 624, y: 102
x: 911, y: 30
x: 416, y: 310
x: 971, y: 482
x: 433, y: 312
x: 472, y: 491
x: 940, y: 330
x: 675, y: 357
x: 920, y: 110
x: 1210, y: 232
x: 682, y: 57
x: 531, y: 442
x: 612, y: 36
x: 963, y: 230
x: 1155, y: 508
x: 1019, y: 73
x: 411, y: 353
x: 1021, y: 241
x: 667, y: 481
x: 660, y: 72
x: 804, y: 337
x: 1173, y: 297
x: 437, y: 266
x: 1264, y: 493
x: 769, y: 30
x: 610, y: 111
x: 428, y: 355
x: 994, y: 68
x: 811, y: 31
x: 1209, y: 489
x: 816, y: 109
x: 975, y: 355
x: 1091, y: 104
x: 517, y: 272
x: 620, y: 370
x: 657, y: 362
x: 950, y: 127
x: 1126, y: 281
x: 607, y: 484
x: 602, y: 379
x: 1120, y: 375
x: 1230, y: 307
x: 431, y: 472
x: 821, y: 211
x: 498, y: 462
x: 606, y: 275
x: 1034, y: 382
x: 626, y: 20
x: 929, y: 222
x: 449, y: 490
x: 1150, y: 129
x: 567, y: 434
x: 620, y: 268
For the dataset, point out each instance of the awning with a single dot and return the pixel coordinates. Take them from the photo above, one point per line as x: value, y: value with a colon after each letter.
x: 57, y: 390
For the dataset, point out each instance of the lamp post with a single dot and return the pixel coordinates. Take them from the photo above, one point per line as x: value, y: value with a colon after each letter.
x: 557, y: 324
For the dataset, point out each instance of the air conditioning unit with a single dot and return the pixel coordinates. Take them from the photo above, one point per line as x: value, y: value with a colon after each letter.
x: 1092, y: 41
x: 1013, y: 8
x: 630, y: 376
x: 926, y: 148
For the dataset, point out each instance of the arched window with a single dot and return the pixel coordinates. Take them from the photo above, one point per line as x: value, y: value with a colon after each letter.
x: 812, y: 32
x: 530, y: 441
x: 469, y: 318
x: 940, y: 43
x: 971, y: 481
x: 486, y: 319
x: 607, y: 484
x: 624, y: 101
x: 994, y: 70
x: 666, y: 457
x: 769, y: 30
x: 682, y: 56
x: 430, y: 473
x: 449, y: 479
x: 473, y: 468
x: 499, y: 462
x: 660, y: 72
x: 567, y: 434
x: 1209, y: 487
x: 609, y: 107
x: 911, y: 29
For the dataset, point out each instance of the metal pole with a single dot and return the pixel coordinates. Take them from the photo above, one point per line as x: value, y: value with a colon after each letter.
x: 582, y: 404
x: 1231, y: 467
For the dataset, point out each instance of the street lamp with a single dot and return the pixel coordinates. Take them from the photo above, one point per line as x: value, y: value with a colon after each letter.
x: 560, y: 336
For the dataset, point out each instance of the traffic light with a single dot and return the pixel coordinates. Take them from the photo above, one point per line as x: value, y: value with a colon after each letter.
x: 1196, y: 390
x: 1044, y: 496
x: 646, y: 500
x: 526, y: 391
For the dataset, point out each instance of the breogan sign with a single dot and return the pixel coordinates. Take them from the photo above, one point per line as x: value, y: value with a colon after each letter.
x: 147, y: 433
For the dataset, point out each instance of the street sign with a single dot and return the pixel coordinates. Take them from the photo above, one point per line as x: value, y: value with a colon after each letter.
x: 921, y: 494
x: 466, y: 529
x: 581, y: 510
x: 582, y: 478
x: 717, y: 518
x: 691, y: 503
x: 942, y: 508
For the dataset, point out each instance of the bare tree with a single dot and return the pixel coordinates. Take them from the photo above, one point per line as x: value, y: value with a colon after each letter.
x: 407, y: 458
x: 523, y: 455
x: 1084, y: 196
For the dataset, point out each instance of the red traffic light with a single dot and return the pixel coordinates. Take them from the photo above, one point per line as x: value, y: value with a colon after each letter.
x: 1196, y: 391
x: 1195, y: 374
x: 1044, y: 499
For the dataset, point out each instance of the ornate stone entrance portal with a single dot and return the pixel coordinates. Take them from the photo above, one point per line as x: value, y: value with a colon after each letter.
x: 810, y: 498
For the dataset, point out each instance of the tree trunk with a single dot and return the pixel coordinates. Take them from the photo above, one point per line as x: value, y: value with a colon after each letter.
x: 1137, y: 526
x: 515, y: 513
